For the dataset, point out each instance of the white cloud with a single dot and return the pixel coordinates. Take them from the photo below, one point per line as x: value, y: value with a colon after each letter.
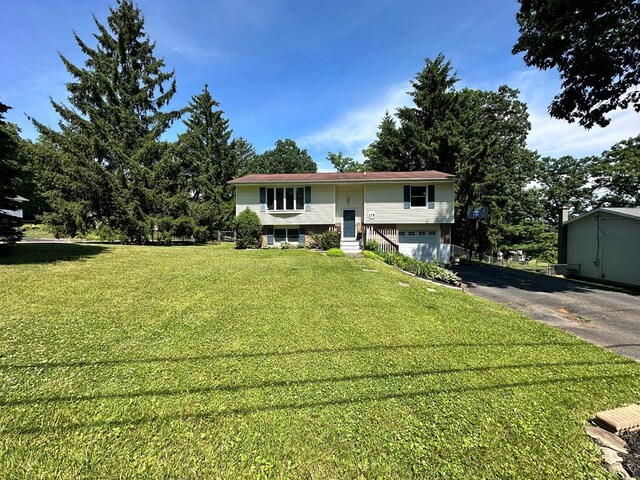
x: 356, y: 128
x: 553, y: 137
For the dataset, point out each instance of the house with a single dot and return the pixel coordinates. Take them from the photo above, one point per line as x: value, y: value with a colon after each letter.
x: 409, y: 212
x: 603, y: 244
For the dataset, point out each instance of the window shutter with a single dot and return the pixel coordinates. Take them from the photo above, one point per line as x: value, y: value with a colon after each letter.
x: 431, y: 196
x: 307, y: 199
x: 263, y: 199
x: 269, y: 236
x: 407, y: 196
x: 301, y: 238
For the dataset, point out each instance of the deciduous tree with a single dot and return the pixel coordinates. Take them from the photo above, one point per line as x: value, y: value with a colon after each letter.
x: 594, y: 45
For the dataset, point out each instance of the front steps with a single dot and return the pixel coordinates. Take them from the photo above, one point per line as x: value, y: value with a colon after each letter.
x: 350, y: 247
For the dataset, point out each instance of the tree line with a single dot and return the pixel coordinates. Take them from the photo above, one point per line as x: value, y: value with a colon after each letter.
x: 106, y: 169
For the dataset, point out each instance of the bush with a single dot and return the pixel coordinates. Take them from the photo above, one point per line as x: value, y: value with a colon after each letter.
x: 330, y: 240
x: 248, y: 229
x: 200, y: 234
x: 183, y: 227
x: 285, y: 246
x: 335, y: 252
x: 164, y: 234
x: 372, y: 255
x: 419, y: 268
x: 372, y: 245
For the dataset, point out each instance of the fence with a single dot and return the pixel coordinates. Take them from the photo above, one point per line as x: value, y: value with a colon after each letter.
x: 224, y: 235
x: 527, y: 266
x: 387, y: 238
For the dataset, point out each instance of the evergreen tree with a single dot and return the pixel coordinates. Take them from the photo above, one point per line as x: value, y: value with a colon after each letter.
x: 285, y: 157
x: 477, y: 135
x: 108, y: 143
x: 206, y: 160
x: 384, y: 154
x: 245, y: 154
x: 9, y: 175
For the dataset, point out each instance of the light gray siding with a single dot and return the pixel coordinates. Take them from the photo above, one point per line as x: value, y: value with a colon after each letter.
x: 349, y: 197
x: 322, y: 206
x: 386, y: 201
x: 609, y: 250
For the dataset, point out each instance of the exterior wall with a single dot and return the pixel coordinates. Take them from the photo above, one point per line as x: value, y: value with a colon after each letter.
x: 322, y: 206
x: 615, y: 245
x: 387, y: 202
x: 349, y: 197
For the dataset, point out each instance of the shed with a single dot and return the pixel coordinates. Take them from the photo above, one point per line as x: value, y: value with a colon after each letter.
x: 604, y: 244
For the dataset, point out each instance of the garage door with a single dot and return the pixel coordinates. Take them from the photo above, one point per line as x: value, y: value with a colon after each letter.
x: 421, y: 244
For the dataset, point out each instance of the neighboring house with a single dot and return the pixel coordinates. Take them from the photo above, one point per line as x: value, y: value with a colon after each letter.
x: 18, y: 212
x: 409, y: 212
x: 604, y: 244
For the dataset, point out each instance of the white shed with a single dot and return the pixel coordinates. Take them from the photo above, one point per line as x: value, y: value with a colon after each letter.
x: 604, y: 244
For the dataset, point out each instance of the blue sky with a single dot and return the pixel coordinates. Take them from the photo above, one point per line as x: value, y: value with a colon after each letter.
x: 319, y: 72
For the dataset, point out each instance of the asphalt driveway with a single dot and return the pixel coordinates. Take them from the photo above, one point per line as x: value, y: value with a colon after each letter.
x: 607, y: 318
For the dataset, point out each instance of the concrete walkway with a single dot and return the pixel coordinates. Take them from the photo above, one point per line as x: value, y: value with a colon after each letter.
x: 607, y: 318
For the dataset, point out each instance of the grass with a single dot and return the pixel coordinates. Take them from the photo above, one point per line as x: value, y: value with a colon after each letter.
x: 207, y: 362
x: 36, y: 232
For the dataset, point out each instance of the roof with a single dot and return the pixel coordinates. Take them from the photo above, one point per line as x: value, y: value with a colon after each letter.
x: 335, y: 177
x: 629, y: 212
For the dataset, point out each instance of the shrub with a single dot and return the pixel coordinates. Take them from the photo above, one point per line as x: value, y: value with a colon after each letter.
x: 164, y: 235
x: 248, y: 229
x: 372, y: 245
x: 330, y: 240
x: 335, y: 252
x: 200, y: 234
x: 183, y: 227
x: 372, y: 255
x: 285, y: 246
x: 419, y: 268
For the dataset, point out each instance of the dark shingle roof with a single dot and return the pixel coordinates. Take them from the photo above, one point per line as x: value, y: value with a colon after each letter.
x: 334, y: 177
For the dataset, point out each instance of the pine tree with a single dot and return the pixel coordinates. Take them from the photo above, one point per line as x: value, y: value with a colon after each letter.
x: 108, y: 142
x: 384, y: 154
x: 476, y: 135
x: 208, y: 161
x: 9, y: 172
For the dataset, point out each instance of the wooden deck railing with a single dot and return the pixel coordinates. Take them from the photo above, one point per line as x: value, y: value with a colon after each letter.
x: 387, y: 238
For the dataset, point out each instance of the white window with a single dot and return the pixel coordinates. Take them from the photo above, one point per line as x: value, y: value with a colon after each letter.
x: 285, y: 198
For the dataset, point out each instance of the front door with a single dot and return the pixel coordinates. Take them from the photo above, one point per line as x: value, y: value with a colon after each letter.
x: 348, y: 223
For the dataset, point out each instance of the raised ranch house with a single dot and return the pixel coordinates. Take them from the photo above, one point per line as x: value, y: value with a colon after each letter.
x: 409, y: 212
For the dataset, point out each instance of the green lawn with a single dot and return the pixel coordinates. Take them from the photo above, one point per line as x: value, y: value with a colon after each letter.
x: 205, y: 362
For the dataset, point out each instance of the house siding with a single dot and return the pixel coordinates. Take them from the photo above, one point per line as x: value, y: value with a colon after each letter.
x: 349, y: 197
x: 322, y: 206
x: 615, y: 245
x: 387, y: 202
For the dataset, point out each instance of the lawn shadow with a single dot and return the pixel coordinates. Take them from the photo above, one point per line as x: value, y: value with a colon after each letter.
x: 284, y: 353
x: 315, y: 404
x: 26, y: 253
x: 292, y: 383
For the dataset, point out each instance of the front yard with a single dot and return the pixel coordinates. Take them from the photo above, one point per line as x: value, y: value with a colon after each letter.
x: 205, y: 362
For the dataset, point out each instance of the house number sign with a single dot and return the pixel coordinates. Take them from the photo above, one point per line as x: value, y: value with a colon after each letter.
x: 371, y: 215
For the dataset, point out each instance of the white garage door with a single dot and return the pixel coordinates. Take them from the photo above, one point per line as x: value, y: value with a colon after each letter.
x: 421, y: 244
